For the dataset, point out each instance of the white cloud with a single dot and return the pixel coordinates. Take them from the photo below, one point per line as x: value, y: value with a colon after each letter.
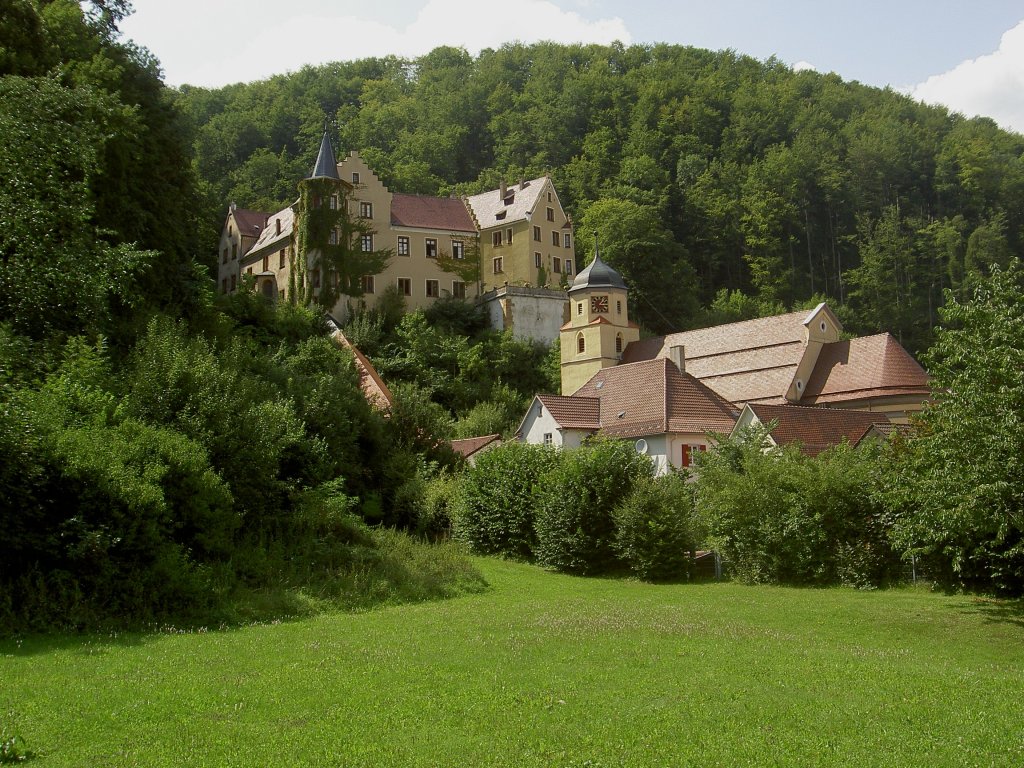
x: 259, y: 41
x: 990, y: 85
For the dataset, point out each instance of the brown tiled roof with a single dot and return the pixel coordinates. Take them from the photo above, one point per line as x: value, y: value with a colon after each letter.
x: 816, y: 429
x: 868, y: 367
x: 250, y: 223
x: 723, y: 339
x: 573, y: 412
x: 444, y: 213
x: 748, y: 361
x: 653, y: 397
x: 374, y: 389
x: 470, y: 445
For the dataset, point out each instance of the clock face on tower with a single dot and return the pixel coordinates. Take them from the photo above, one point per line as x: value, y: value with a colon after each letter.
x: 599, y: 304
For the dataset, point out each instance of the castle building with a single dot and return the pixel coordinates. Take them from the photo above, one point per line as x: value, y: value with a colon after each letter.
x: 518, y: 237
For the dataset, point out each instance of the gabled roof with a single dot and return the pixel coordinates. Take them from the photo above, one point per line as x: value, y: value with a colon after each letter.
x: 747, y: 361
x: 816, y: 429
x: 518, y: 204
x: 443, y: 213
x: 653, y: 397
x: 573, y: 412
x: 270, y: 239
x: 867, y: 367
x: 466, y: 447
x: 250, y: 223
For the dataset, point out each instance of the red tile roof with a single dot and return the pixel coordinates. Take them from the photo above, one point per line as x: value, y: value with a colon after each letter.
x: 573, y: 412
x: 816, y: 429
x: 250, y: 223
x: 374, y: 389
x: 748, y: 361
x: 466, y: 447
x: 864, y: 368
x: 653, y: 397
x: 444, y: 213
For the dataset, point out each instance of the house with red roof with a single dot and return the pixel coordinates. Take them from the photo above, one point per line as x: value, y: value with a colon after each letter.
x: 669, y: 393
x: 812, y: 428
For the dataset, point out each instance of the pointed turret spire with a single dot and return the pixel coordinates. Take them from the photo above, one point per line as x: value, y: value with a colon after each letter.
x: 326, y: 166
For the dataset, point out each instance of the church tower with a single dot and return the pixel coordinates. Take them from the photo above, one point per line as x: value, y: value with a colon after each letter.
x: 598, y: 328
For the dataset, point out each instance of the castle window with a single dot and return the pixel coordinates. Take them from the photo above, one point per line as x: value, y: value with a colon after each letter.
x: 568, y: 266
x: 557, y: 263
x: 554, y: 239
x: 458, y: 289
x: 496, y: 238
x: 433, y: 289
x: 224, y: 257
x: 266, y: 262
x: 536, y: 259
x: 567, y: 240
x: 280, y: 264
x: 618, y: 307
x: 248, y: 271
x: 497, y: 266
x: 334, y: 202
x: 536, y: 234
x: 579, y: 308
x: 332, y: 237
x: 403, y: 246
x: 548, y: 439
x: 366, y: 241
x: 405, y: 286
x: 431, y: 249
x: 581, y: 344
x: 551, y: 214
x: 366, y: 210
x: 508, y: 235
x: 234, y: 282
x: 367, y: 283
x: 458, y: 249
x: 234, y: 251
x: 355, y: 177
x: 618, y: 343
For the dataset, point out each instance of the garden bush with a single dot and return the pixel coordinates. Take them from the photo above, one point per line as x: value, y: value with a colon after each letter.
x: 575, y: 499
x: 654, y: 525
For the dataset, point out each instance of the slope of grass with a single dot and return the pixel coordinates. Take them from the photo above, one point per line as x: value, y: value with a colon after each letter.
x: 545, y: 670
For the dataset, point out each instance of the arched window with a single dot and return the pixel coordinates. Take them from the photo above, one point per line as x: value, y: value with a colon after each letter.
x: 581, y: 344
x: 618, y: 343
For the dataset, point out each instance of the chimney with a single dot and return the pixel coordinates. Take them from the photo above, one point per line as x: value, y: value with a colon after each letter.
x: 232, y: 206
x: 677, y: 354
x: 522, y: 183
x: 502, y: 190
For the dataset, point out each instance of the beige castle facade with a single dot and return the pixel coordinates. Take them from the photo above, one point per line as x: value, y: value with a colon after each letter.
x: 519, y: 236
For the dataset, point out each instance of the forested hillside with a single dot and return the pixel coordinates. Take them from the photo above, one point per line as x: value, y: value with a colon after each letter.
x: 703, y: 171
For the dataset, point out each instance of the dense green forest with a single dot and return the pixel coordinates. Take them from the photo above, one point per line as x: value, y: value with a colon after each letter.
x: 167, y: 452
x: 704, y: 172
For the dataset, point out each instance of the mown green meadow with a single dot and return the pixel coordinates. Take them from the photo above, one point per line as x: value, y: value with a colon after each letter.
x: 544, y: 670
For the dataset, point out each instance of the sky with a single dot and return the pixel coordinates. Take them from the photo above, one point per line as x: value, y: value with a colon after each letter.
x: 968, y: 56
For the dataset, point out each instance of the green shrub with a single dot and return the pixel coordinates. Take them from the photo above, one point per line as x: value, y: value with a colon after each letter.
x: 575, y: 499
x: 494, y: 510
x: 778, y: 516
x: 654, y: 528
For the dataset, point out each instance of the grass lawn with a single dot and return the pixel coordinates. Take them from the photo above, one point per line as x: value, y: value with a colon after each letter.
x: 545, y: 670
